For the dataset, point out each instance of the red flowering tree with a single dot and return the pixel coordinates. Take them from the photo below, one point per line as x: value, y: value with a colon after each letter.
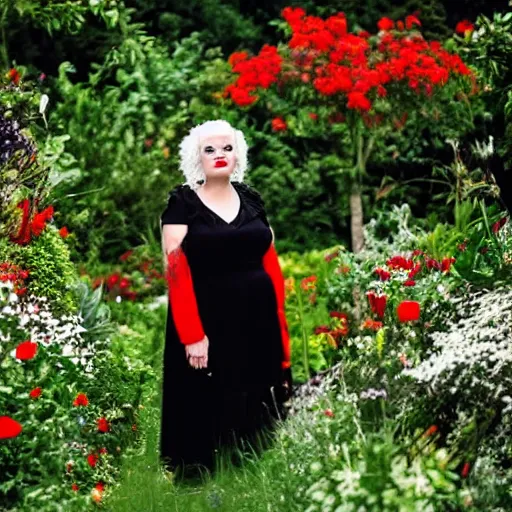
x: 371, y: 83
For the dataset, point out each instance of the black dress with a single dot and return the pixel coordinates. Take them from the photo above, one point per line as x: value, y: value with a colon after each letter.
x: 240, y: 393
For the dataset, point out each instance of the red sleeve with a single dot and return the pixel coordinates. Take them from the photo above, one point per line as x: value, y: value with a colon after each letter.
x: 273, y: 269
x: 182, y: 298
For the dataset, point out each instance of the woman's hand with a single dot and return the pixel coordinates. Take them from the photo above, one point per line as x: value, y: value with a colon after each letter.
x: 197, y: 353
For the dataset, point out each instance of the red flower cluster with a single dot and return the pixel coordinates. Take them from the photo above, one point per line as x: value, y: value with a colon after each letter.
x: 260, y: 71
x: 336, y: 62
x: 116, y: 285
x: 31, y: 227
x: 13, y: 273
x: 308, y: 283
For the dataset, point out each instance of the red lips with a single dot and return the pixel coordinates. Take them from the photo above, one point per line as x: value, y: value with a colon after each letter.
x: 221, y: 163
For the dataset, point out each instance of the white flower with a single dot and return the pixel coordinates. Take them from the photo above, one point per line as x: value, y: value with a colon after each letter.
x: 43, y: 103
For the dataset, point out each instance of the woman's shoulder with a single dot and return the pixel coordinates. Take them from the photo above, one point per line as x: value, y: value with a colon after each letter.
x: 250, y: 193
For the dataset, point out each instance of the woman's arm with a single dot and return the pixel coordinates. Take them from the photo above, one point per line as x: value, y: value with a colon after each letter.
x: 181, y: 289
x: 273, y: 269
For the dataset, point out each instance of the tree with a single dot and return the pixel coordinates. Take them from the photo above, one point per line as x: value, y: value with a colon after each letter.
x: 372, y: 84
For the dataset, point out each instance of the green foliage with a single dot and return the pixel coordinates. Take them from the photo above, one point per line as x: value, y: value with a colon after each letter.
x: 51, y: 271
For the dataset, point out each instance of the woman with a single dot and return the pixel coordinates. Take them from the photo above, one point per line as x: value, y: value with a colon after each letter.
x: 227, y: 353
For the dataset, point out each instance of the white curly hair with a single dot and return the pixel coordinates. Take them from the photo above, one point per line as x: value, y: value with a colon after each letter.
x: 190, y: 157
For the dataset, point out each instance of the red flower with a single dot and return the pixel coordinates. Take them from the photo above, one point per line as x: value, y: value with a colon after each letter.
x: 63, y: 232
x: 313, y: 116
x: 329, y: 413
x: 14, y: 76
x: 103, y: 451
x: 100, y: 486
x: 465, y: 470
x: 308, y: 283
x: 384, y: 275
x: 410, y: 282
x: 237, y: 57
x: 464, y: 27
x: 321, y: 329
x: 23, y: 236
x: 112, y: 280
x: 35, y: 393
x: 410, y: 21
x: 9, y: 427
x: 357, y: 100
x: 26, y: 350
x: 377, y: 303
x: 81, y: 399
x: 499, y: 224
x: 372, y: 325
x: 74, y: 487
x: 103, y: 425
x: 408, y: 311
x: 446, y: 264
x: 279, y: 124
x: 400, y: 263
x: 430, y: 431
x: 385, y: 24
x: 92, y: 459
x: 124, y: 283
x: 125, y: 255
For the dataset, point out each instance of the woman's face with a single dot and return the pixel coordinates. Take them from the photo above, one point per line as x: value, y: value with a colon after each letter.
x: 217, y: 155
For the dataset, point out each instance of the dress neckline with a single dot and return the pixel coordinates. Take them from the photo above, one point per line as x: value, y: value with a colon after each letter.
x: 216, y: 214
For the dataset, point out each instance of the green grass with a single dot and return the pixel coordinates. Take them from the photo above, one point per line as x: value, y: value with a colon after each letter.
x: 253, y: 484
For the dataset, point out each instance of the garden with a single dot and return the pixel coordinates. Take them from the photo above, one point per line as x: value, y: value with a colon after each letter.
x: 380, y: 140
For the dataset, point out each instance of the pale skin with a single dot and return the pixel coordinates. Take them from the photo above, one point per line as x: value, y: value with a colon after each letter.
x: 220, y: 196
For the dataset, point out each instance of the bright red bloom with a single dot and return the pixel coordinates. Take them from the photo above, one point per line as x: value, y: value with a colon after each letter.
x: 92, y: 459
x: 499, y: 224
x: 465, y: 470
x: 125, y: 255
x: 410, y: 21
x: 372, y: 325
x: 446, y: 264
x: 463, y: 27
x: 410, y: 282
x: 384, y: 275
x: 414, y: 271
x: 26, y: 350
x: 237, y: 57
x: 9, y: 427
x: 432, y: 263
x: 124, y: 283
x: 35, y: 393
x: 74, y: 487
x: 279, y: 124
x: 81, y: 399
x: 308, y: 283
x: 329, y: 413
x: 408, y: 311
x: 103, y: 425
x: 112, y: 280
x: 385, y: 24
x: 63, y: 232
x: 14, y: 76
x: 377, y: 303
x: 430, y: 431
x: 400, y: 263
x: 357, y: 100
x: 100, y: 486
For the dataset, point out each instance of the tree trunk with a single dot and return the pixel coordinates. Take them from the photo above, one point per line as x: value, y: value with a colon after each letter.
x: 356, y: 220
